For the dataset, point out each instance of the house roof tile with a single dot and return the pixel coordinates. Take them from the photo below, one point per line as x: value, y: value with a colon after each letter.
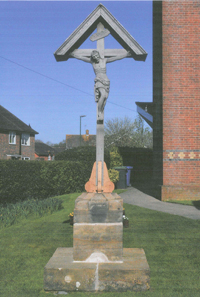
x: 42, y: 149
x: 10, y: 122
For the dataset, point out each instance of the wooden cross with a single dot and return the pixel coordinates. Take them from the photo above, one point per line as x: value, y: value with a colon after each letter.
x: 99, y: 174
x: 99, y: 180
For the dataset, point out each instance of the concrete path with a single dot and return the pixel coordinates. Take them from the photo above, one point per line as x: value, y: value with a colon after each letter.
x: 136, y: 197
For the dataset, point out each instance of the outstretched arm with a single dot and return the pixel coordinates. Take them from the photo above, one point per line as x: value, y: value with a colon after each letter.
x: 79, y: 57
x: 118, y: 57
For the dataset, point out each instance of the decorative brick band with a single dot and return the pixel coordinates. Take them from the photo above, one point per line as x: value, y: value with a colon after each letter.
x: 181, y: 155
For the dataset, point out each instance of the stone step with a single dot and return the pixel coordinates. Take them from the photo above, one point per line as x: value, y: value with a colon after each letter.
x: 63, y: 274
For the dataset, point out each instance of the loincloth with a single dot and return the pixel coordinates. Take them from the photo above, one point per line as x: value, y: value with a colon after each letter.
x: 102, y: 83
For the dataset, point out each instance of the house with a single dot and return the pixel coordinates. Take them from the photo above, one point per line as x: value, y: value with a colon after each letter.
x: 80, y: 140
x: 17, y: 140
x: 44, y: 151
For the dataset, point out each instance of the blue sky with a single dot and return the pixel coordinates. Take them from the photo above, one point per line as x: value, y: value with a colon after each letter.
x: 52, y: 95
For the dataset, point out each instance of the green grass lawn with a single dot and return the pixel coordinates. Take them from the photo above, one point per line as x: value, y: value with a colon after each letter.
x: 171, y: 244
x: 195, y: 203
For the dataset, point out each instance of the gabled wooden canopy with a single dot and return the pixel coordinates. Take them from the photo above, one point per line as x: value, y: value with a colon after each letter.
x: 85, y: 29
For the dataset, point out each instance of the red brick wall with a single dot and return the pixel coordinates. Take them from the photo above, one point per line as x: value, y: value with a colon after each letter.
x: 12, y: 149
x: 157, y: 98
x: 6, y: 148
x: 181, y: 99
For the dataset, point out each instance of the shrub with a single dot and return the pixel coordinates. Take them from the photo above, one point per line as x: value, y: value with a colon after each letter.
x: 85, y: 154
x: 113, y: 175
x: 63, y: 177
x: 20, y: 181
x: 115, y: 158
x: 141, y: 159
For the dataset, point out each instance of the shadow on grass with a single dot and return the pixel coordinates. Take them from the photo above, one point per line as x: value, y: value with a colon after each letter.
x: 67, y: 221
x: 196, y: 204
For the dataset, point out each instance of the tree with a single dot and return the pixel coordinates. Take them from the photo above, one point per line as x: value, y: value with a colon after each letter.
x: 126, y: 132
x: 60, y: 144
x: 38, y: 140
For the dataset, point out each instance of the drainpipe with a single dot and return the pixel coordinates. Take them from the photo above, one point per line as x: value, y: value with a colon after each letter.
x: 20, y: 145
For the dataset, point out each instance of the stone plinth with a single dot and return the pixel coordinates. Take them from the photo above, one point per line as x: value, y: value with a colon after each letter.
x: 97, y: 261
x: 98, y: 226
x: 105, y: 238
x: 98, y: 208
x: 63, y: 274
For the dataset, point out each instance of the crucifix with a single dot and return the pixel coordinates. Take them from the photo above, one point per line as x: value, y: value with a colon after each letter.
x: 98, y: 214
x: 99, y: 60
x: 102, y: 20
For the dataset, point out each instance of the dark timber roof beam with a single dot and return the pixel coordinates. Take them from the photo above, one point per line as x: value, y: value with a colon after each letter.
x: 86, y: 28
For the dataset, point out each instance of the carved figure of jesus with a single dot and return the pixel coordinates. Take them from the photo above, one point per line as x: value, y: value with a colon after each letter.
x: 102, y: 83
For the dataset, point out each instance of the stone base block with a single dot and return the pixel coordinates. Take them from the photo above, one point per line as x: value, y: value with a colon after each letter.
x: 105, y: 238
x: 98, y: 208
x: 98, y: 226
x: 63, y: 274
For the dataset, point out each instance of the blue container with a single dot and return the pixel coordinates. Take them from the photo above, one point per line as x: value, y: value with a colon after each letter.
x: 128, y: 175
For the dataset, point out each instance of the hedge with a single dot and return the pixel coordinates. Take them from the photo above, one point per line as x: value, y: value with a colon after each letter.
x: 85, y: 154
x: 20, y: 180
x: 141, y: 159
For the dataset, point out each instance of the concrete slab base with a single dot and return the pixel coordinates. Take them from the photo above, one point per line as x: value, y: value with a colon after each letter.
x: 63, y: 274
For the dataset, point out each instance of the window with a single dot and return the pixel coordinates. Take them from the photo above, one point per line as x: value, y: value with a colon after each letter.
x: 25, y: 158
x: 25, y: 139
x: 12, y: 138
